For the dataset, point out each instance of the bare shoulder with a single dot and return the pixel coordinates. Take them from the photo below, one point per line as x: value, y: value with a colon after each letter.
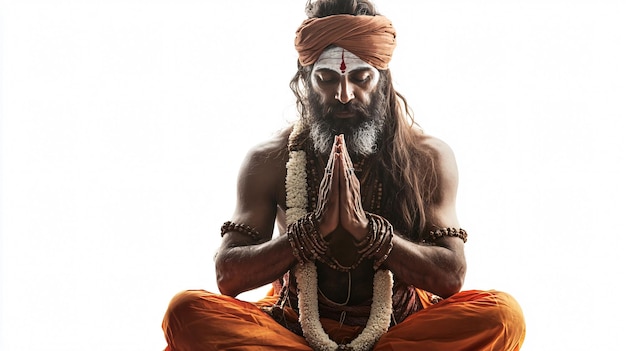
x: 263, y: 169
x: 444, y: 165
x: 440, y: 149
x: 437, y: 147
x: 269, y: 152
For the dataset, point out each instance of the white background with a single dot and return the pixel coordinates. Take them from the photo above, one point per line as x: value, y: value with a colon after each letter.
x: 124, y: 124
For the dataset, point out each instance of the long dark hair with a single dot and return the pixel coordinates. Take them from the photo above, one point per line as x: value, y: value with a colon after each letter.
x: 406, y: 167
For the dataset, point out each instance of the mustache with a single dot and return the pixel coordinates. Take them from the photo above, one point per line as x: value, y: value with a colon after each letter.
x: 353, y: 106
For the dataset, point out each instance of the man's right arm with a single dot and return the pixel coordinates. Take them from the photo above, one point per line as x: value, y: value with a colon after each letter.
x: 243, y: 263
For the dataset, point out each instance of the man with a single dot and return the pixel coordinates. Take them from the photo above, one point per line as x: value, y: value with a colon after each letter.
x: 370, y: 252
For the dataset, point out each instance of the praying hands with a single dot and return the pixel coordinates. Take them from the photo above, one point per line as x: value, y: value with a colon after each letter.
x: 339, y: 204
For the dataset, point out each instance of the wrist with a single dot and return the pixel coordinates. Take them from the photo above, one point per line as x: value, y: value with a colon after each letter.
x: 306, y: 242
x: 362, y: 233
x: 378, y: 243
x: 366, y: 239
x: 323, y: 226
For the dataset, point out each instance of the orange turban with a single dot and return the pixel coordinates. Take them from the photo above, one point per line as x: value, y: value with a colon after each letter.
x: 371, y: 38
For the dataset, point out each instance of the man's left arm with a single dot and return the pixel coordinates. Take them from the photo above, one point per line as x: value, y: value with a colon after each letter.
x: 440, y: 267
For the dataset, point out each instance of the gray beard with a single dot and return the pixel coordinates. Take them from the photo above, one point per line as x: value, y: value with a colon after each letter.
x: 361, y: 139
x: 362, y: 132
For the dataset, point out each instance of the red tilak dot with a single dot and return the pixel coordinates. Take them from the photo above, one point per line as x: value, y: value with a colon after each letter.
x: 342, y: 67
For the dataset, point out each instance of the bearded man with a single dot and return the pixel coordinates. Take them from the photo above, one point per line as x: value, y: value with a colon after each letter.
x: 370, y: 252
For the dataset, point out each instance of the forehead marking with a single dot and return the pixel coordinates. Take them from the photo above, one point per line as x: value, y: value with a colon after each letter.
x: 337, y: 59
x: 342, y: 67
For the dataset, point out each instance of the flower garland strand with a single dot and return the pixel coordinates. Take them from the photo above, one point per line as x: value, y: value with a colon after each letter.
x: 306, y: 274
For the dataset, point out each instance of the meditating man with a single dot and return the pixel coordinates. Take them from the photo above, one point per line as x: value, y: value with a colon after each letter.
x: 369, y: 254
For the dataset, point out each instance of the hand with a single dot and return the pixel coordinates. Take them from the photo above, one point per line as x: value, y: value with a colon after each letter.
x: 339, y: 197
x: 351, y: 214
x: 327, y: 211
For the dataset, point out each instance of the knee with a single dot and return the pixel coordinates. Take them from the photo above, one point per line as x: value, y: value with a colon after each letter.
x: 184, y: 298
x: 177, y: 316
x: 185, y: 302
x: 510, y: 309
x: 185, y: 308
x: 511, y: 316
x: 182, y: 306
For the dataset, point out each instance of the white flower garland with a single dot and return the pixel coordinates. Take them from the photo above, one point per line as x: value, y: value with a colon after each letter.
x: 306, y: 275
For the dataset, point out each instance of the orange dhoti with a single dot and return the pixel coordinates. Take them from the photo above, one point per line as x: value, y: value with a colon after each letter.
x: 469, y: 320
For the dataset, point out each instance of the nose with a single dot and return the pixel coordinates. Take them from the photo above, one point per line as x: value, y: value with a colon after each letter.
x: 345, y: 91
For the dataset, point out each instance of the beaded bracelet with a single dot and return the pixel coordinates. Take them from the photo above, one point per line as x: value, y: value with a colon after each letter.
x: 384, y: 243
x: 306, y: 243
x: 240, y: 228
x: 369, y: 241
x: 451, y: 232
x: 378, y: 243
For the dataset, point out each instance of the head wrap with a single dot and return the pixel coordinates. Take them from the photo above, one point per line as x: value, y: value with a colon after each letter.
x: 371, y: 38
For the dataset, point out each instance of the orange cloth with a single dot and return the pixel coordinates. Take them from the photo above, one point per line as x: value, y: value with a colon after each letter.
x: 470, y: 320
x: 371, y: 38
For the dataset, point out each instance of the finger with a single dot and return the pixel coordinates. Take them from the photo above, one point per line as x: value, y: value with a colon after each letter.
x: 346, y: 189
x: 329, y: 170
x: 331, y: 156
x: 327, y: 210
x: 326, y: 183
x: 344, y: 150
x: 346, y: 177
x: 333, y: 195
x: 342, y: 170
x: 348, y: 169
x: 350, y: 186
x: 337, y: 175
x: 330, y: 165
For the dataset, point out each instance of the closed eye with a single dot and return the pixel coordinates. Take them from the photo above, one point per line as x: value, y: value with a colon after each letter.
x: 361, y: 78
x: 327, y: 77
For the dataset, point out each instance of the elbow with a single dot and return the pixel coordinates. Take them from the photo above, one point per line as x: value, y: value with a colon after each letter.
x: 452, y: 286
x: 226, y: 285
x: 226, y: 288
x: 453, y: 283
x: 224, y: 278
x: 454, y: 278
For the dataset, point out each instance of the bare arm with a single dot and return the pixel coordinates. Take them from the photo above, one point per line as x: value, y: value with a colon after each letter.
x: 438, y: 268
x: 241, y: 263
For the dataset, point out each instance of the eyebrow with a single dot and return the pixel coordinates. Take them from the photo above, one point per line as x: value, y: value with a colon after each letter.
x: 356, y: 70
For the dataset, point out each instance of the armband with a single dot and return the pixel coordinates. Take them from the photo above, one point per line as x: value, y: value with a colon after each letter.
x: 451, y: 232
x: 240, y: 228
